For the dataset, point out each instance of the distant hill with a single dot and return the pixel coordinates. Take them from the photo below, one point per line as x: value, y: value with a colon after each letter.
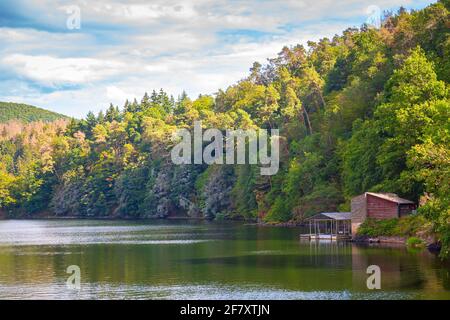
x: 26, y: 113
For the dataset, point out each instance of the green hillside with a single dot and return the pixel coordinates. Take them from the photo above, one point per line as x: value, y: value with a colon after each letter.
x: 367, y: 110
x: 26, y: 113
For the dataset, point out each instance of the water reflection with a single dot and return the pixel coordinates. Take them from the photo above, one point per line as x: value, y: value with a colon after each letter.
x: 181, y: 260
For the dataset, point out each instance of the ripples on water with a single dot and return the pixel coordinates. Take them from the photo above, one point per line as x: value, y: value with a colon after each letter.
x: 15, y: 232
x: 186, y: 292
x: 200, y: 260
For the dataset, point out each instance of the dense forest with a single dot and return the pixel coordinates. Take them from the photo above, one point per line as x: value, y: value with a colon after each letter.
x: 26, y: 113
x: 367, y: 110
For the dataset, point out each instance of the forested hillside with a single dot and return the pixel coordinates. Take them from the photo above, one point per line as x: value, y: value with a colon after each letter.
x: 26, y: 113
x: 367, y: 110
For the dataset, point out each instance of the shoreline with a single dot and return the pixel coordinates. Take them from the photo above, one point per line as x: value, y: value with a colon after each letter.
x: 3, y: 216
x: 381, y: 240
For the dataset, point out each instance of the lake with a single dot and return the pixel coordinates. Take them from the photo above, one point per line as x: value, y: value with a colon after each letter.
x: 181, y: 259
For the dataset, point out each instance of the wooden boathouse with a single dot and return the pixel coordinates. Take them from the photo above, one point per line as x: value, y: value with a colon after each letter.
x: 379, y: 206
x: 329, y: 226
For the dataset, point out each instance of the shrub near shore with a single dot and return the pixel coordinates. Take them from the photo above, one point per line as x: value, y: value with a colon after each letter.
x: 410, y: 227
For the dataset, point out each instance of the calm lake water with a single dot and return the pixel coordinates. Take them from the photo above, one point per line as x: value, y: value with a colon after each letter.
x: 202, y: 260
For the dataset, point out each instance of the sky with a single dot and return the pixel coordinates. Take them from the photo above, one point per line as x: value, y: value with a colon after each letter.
x: 76, y: 56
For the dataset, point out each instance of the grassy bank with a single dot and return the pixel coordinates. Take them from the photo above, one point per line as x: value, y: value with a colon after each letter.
x: 416, y: 230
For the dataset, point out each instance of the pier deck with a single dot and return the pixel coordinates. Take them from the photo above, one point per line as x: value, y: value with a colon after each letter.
x: 334, y: 226
x: 323, y: 236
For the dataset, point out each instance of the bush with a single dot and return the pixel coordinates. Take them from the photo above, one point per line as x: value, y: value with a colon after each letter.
x: 415, y: 242
x: 374, y: 228
x: 220, y: 216
x: 403, y: 227
x: 279, y: 212
x: 409, y: 225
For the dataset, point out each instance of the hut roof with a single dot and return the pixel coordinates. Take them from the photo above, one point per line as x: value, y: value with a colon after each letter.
x: 332, y: 216
x: 390, y: 197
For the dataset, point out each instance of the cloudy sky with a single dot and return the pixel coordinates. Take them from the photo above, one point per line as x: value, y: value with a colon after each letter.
x: 124, y: 48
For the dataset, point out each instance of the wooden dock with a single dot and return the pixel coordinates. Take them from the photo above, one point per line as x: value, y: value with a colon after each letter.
x: 325, y: 236
x: 330, y: 226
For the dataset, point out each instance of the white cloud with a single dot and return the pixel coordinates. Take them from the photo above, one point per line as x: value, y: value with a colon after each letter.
x: 117, y: 95
x: 125, y: 48
x: 53, y: 71
x: 141, y: 12
x: 30, y: 41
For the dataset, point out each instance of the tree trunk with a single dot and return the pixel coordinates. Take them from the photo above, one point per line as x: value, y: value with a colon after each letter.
x: 308, y: 123
x: 319, y: 91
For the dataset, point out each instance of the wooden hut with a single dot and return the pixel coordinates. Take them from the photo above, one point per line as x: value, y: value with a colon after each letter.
x: 378, y: 206
x: 329, y: 226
